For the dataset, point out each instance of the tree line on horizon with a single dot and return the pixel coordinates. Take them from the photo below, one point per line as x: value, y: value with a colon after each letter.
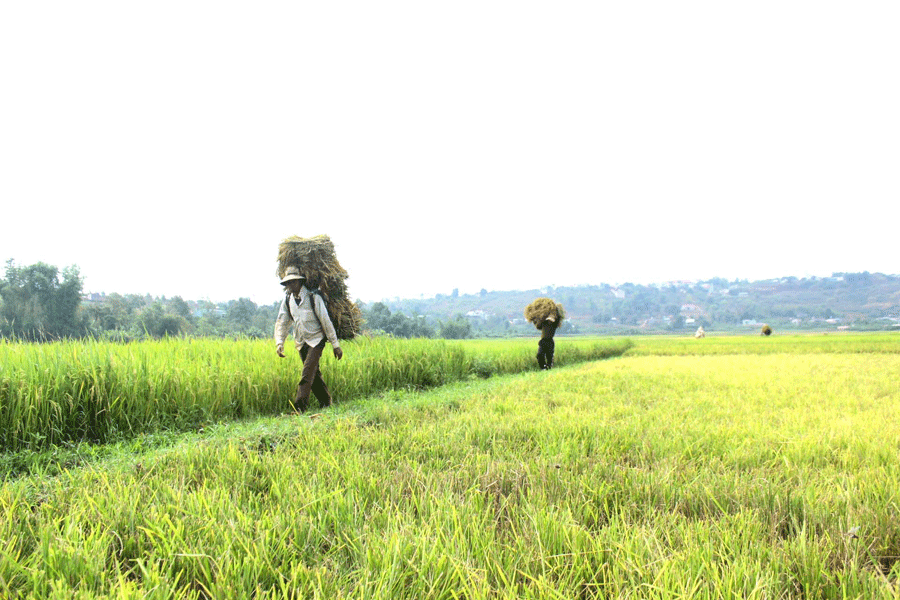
x: 862, y: 301
x: 40, y: 302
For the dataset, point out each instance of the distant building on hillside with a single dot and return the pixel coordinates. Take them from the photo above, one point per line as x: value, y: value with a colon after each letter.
x: 691, y: 310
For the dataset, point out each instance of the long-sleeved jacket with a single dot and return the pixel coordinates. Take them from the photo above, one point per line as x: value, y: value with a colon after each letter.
x: 302, y: 321
x: 548, y: 328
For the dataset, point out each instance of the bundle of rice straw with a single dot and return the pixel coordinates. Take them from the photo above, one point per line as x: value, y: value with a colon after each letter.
x: 543, y: 308
x: 317, y: 261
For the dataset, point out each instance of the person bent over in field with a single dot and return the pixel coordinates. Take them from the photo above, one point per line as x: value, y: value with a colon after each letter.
x: 304, y: 313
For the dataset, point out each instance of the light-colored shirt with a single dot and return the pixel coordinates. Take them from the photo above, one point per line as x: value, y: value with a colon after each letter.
x: 302, y: 321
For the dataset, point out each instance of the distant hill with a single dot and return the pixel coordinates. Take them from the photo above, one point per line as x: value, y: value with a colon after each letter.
x: 856, y: 301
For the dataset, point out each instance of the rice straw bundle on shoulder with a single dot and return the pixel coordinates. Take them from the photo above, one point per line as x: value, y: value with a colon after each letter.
x: 542, y: 309
x: 317, y: 262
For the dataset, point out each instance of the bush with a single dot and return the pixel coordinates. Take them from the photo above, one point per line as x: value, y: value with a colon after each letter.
x: 457, y: 329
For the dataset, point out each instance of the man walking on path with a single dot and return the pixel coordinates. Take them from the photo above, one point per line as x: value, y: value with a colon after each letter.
x: 304, y: 312
x: 547, y: 316
x: 546, y: 345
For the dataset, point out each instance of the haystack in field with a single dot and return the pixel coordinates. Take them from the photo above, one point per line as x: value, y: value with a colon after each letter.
x: 542, y: 309
x: 317, y: 261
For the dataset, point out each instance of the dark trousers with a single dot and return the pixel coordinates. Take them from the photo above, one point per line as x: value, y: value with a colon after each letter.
x: 545, y: 352
x: 311, y: 378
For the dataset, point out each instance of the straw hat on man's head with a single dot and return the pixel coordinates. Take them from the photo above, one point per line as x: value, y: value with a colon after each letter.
x: 291, y: 274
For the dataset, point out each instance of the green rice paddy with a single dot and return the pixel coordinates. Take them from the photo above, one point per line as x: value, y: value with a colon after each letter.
x: 739, y: 467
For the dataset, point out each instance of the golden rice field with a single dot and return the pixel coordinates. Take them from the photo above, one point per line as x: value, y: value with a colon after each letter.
x: 738, y: 467
x: 100, y: 391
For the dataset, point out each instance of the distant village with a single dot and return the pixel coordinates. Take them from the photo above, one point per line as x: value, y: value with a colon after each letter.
x: 838, y: 303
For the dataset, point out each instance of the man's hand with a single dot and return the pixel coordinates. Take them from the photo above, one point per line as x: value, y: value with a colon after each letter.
x: 279, y: 349
x: 338, y: 353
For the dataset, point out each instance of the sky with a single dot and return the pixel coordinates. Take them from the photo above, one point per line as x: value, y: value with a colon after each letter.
x: 168, y: 147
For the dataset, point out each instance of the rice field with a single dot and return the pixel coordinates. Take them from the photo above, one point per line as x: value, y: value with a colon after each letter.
x: 663, y: 473
x: 69, y: 392
x: 818, y: 343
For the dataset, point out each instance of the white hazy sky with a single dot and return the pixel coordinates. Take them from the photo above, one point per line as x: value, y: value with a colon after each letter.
x: 167, y: 147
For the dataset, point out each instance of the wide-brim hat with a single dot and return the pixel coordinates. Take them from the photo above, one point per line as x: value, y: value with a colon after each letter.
x: 291, y: 274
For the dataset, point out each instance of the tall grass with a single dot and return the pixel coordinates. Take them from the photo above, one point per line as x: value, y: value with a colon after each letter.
x: 98, y: 391
x: 726, y: 476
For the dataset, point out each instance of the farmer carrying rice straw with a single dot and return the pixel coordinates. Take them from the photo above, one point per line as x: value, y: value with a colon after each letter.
x: 305, y: 314
x: 547, y: 316
x: 313, y: 281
